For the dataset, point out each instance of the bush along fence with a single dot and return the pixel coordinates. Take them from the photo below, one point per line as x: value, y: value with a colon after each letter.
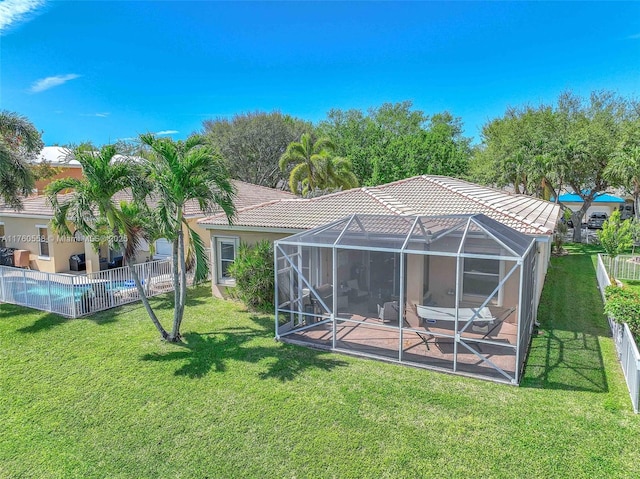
x: 622, y: 305
x: 78, y: 295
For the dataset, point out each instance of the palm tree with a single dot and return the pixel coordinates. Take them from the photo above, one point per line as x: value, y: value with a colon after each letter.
x: 20, y: 141
x: 336, y: 172
x: 624, y: 167
x: 307, y: 156
x: 180, y: 172
x: 90, y: 206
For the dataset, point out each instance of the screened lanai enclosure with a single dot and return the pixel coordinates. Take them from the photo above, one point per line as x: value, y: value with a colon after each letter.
x: 453, y: 293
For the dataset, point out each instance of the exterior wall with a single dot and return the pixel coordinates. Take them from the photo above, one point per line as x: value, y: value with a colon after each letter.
x: 65, y: 172
x: 542, y: 265
x: 599, y: 207
x: 221, y: 290
x: 442, y: 279
x: 22, y: 233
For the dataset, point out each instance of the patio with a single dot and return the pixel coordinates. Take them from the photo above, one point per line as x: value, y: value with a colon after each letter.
x: 463, y: 286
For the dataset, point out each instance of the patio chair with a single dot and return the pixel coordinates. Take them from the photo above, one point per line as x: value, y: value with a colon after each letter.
x: 77, y: 262
x: 388, y: 312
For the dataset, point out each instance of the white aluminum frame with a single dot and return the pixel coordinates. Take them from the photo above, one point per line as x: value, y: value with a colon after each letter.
x: 518, y: 260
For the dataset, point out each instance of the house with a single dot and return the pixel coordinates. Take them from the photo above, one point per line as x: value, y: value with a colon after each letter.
x: 430, y: 271
x: 29, y: 229
x: 603, y: 203
x: 62, y: 160
x: 420, y: 195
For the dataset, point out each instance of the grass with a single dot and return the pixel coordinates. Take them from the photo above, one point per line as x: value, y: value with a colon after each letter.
x: 103, y: 397
x: 632, y: 284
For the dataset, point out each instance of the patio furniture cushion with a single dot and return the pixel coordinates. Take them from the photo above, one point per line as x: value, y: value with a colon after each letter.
x: 77, y: 262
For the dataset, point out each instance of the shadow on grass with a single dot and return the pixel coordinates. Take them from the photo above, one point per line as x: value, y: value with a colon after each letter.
x: 196, y: 295
x: 567, y: 353
x: 44, y: 323
x: 205, y: 352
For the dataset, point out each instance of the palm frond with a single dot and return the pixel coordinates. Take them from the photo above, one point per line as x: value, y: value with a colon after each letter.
x: 197, y: 256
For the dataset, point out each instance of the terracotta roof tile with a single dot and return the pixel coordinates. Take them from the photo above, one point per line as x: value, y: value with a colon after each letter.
x: 246, y: 195
x: 420, y: 195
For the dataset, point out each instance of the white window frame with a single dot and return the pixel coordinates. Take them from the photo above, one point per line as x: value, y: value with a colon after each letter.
x: 473, y: 295
x: 218, y: 241
x: 39, y: 236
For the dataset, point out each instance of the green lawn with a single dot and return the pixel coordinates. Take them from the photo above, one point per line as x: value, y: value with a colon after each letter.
x: 633, y: 284
x: 103, y: 397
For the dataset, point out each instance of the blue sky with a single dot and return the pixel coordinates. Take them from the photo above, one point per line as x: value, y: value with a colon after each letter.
x: 103, y: 71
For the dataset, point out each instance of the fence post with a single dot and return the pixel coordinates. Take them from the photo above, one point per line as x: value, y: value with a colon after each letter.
x: 24, y: 285
x: 2, y: 293
x: 74, y: 305
x: 49, y: 292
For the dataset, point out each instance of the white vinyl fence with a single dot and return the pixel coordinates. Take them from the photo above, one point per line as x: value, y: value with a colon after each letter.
x: 624, y: 341
x: 78, y: 295
x: 623, y: 266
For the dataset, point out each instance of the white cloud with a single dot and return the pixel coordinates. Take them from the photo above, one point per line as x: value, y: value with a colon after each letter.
x: 103, y: 114
x: 166, y: 132
x: 13, y: 12
x: 50, y: 82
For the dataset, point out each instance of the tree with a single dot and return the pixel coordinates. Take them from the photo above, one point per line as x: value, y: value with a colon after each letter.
x: 335, y: 173
x: 395, y: 141
x: 590, y: 136
x: 179, y: 172
x: 615, y: 236
x: 309, y: 158
x: 624, y: 168
x: 20, y: 142
x: 517, y: 151
x: 252, y: 144
x: 93, y: 211
x: 540, y: 151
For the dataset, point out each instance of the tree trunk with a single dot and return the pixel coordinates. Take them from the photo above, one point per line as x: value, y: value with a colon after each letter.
x: 175, y: 332
x: 147, y: 305
x: 636, y: 200
x: 576, y: 217
x: 180, y: 289
x: 183, y: 281
x: 144, y: 299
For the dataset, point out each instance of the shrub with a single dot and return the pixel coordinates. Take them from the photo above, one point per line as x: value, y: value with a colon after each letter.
x: 253, y: 272
x: 623, y: 305
x: 616, y: 235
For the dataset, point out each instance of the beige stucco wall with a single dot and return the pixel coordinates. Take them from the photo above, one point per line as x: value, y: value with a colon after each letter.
x: 22, y: 233
x: 249, y: 237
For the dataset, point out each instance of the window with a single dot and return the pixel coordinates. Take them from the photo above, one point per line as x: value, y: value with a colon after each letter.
x: 43, y: 241
x: 481, y: 276
x: 226, y: 254
x: 3, y: 243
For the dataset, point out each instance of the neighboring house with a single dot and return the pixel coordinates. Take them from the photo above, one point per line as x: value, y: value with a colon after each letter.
x: 603, y: 203
x: 30, y: 229
x: 62, y: 160
x: 420, y: 195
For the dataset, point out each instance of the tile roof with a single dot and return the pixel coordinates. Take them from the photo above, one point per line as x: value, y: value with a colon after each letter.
x: 246, y: 195
x: 419, y: 195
